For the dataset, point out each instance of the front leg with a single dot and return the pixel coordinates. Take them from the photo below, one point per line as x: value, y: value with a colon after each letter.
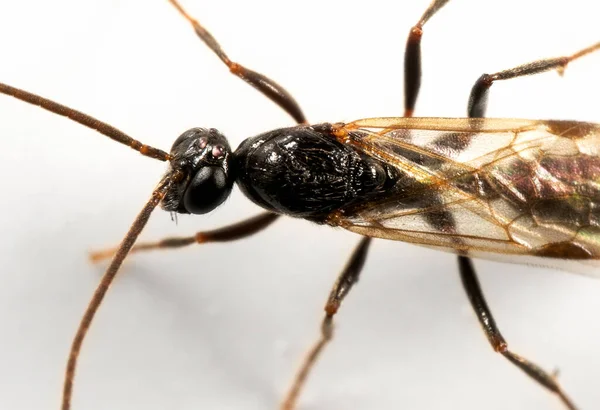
x: 239, y: 230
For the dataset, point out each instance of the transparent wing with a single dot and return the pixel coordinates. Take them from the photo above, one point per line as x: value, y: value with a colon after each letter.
x: 517, y: 190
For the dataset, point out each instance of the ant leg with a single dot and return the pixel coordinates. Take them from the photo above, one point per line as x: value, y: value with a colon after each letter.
x: 479, y: 93
x: 412, y: 58
x: 233, y: 232
x: 340, y: 290
x: 476, y: 109
x: 265, y: 85
x: 471, y: 285
x: 351, y: 273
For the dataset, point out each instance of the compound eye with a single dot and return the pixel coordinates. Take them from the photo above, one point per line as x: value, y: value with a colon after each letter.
x: 207, y: 190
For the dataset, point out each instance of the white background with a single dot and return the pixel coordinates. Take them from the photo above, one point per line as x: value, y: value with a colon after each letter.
x: 224, y: 326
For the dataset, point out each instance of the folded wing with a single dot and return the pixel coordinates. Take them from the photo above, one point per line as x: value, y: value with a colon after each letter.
x: 516, y: 190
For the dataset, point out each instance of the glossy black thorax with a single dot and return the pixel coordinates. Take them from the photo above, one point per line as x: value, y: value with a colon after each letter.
x: 305, y: 172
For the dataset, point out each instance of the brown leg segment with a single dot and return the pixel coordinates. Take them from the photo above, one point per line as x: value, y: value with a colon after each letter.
x: 340, y: 290
x: 412, y: 58
x: 473, y: 289
x: 351, y: 273
x: 265, y: 85
x: 228, y: 233
x: 479, y: 93
x: 476, y: 109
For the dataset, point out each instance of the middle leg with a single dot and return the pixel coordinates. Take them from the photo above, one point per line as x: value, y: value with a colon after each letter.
x: 349, y: 276
x: 340, y: 290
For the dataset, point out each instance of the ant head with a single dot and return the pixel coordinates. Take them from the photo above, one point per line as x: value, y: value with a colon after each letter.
x: 203, y: 156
